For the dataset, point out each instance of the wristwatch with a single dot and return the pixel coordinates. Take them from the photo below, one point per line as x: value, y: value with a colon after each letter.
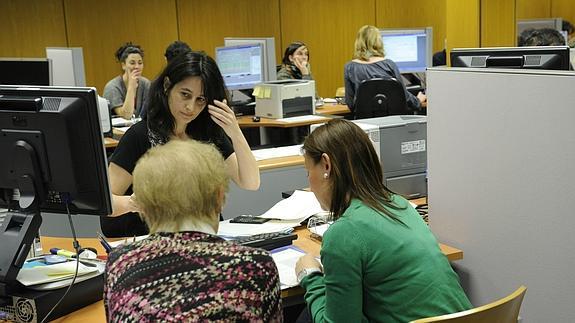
x: 306, y: 271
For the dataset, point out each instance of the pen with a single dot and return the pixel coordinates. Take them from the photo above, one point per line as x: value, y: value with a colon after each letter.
x: 104, y: 243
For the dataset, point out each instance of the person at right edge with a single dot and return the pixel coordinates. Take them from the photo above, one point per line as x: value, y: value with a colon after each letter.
x: 379, y: 260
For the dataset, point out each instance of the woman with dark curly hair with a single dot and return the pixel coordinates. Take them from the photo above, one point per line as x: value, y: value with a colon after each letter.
x: 128, y: 93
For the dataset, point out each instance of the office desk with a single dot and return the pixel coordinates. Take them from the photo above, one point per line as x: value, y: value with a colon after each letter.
x: 95, y: 312
x: 333, y: 109
x: 247, y: 122
x: 328, y: 109
x: 110, y: 142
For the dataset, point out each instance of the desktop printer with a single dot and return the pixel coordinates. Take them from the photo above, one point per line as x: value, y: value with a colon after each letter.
x: 285, y: 98
x: 403, y: 153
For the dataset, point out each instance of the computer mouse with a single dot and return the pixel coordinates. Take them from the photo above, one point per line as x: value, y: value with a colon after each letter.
x: 256, y: 119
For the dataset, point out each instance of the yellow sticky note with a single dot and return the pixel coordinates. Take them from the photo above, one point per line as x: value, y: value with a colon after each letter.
x: 267, y: 93
x: 256, y: 92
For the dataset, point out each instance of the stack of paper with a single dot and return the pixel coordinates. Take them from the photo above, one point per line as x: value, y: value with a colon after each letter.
x: 285, y: 259
x: 52, y: 273
x: 285, y: 215
x: 228, y: 229
x: 298, y: 207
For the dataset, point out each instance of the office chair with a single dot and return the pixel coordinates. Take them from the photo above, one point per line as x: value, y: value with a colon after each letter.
x: 380, y: 97
x: 505, y: 310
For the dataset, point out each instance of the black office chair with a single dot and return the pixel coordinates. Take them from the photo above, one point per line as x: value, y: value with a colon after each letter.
x: 380, y: 97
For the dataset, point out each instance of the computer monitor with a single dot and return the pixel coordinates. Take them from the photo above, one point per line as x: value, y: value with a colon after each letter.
x: 540, y: 57
x: 241, y: 65
x: 553, y: 23
x: 410, y: 49
x: 26, y: 71
x: 53, y: 161
x: 67, y: 66
x: 268, y: 43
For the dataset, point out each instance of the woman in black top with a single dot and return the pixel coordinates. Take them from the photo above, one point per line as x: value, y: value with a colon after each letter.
x: 369, y: 62
x: 187, y: 100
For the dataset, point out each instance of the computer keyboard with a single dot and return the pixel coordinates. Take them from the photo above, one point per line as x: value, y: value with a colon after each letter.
x: 267, y: 241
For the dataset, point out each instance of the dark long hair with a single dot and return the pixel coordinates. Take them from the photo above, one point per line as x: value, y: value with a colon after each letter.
x: 160, y: 119
x: 356, y: 172
x: 289, y: 66
x: 291, y: 49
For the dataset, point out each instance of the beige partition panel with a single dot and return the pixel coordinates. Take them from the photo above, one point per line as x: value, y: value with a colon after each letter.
x: 462, y: 24
x: 564, y: 9
x: 501, y: 168
x: 100, y: 27
x: 414, y: 13
x: 204, y: 24
x: 29, y: 26
x: 528, y: 9
x: 329, y: 29
x: 498, y: 26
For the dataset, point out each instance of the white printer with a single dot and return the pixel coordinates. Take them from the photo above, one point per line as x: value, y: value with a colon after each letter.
x: 285, y: 98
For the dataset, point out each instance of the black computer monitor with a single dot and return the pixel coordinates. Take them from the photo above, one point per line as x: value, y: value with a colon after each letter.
x: 410, y: 49
x: 26, y: 71
x: 53, y: 160
x: 241, y: 65
x: 541, y: 57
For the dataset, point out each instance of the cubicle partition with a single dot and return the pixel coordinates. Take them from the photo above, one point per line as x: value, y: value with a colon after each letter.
x: 501, y: 162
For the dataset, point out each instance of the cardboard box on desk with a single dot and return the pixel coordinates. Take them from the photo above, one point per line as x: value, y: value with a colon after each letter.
x: 285, y: 98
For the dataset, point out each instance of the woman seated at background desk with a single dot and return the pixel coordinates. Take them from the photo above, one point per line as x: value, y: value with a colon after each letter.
x: 381, y: 263
x: 295, y: 63
x: 369, y: 62
x: 188, y: 100
x: 183, y: 271
x: 128, y: 93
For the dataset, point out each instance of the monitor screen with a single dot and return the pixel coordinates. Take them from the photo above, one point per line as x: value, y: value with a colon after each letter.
x: 61, y: 128
x: 241, y: 65
x: 541, y: 57
x: 269, y: 57
x: 410, y: 49
x: 26, y: 71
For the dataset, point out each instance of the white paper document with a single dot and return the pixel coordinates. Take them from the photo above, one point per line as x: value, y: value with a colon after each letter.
x: 285, y: 259
x: 299, y: 206
x: 319, y: 230
x: 228, y: 229
x: 276, y: 152
x: 52, y: 273
x: 310, y: 117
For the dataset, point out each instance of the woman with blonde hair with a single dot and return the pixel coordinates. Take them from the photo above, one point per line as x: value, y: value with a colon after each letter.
x: 183, y: 271
x: 369, y: 62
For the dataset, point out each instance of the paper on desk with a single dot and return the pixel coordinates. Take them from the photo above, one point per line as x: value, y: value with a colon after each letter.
x: 228, y: 229
x: 285, y: 259
x: 299, y: 206
x: 269, y: 153
x: 310, y: 117
x: 119, y: 121
x: 51, y: 273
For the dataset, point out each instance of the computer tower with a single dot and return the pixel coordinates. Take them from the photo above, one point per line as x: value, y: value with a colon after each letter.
x: 403, y: 153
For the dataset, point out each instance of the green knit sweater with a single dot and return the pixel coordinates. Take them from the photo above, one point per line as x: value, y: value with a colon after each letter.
x: 379, y: 270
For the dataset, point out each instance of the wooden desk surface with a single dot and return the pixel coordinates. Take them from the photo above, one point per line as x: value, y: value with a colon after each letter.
x: 247, y: 122
x: 333, y: 109
x: 95, y: 312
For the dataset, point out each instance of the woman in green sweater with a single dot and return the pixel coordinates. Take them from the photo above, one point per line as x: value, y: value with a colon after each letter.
x: 381, y: 263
